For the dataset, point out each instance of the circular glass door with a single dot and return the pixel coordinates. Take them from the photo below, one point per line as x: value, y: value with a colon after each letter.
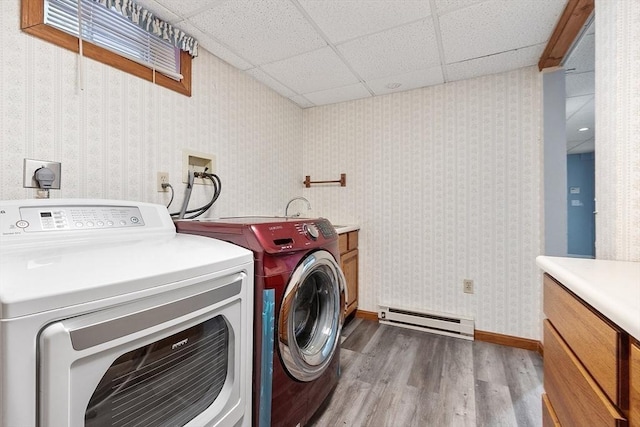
x: 311, y: 316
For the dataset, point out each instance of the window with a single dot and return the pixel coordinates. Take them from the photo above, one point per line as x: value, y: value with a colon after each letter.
x: 108, y: 36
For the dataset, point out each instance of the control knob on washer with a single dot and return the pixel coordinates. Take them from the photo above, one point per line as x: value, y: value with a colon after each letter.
x: 311, y: 231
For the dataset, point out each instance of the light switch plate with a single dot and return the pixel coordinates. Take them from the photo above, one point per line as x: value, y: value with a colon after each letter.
x: 29, y: 169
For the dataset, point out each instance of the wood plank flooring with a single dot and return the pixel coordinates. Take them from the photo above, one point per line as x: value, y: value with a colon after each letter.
x: 398, y: 377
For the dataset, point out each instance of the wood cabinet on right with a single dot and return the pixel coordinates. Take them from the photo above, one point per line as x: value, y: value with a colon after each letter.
x: 349, y: 264
x: 634, y: 385
x: 586, y: 374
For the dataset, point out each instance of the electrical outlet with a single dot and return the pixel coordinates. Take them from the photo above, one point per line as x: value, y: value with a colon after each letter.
x: 29, y: 169
x: 467, y: 286
x: 163, y: 178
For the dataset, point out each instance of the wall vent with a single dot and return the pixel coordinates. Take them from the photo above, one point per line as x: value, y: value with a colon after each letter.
x: 447, y: 324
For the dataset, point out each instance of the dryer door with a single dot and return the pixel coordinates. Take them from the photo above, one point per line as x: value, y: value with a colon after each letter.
x: 311, y: 316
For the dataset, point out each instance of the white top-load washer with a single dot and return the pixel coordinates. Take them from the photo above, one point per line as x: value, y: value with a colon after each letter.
x: 108, y: 317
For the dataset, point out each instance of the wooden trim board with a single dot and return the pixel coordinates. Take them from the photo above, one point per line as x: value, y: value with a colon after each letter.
x: 367, y: 315
x: 507, y: 340
x: 569, y: 24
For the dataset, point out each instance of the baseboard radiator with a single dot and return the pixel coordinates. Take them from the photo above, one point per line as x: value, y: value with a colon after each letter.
x: 447, y: 324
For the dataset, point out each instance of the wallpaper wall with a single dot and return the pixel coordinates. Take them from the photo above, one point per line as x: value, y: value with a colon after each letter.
x: 445, y: 182
x: 115, y: 134
x: 618, y: 130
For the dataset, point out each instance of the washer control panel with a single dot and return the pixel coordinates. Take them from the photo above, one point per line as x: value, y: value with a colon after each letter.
x: 58, y: 218
x: 311, y: 231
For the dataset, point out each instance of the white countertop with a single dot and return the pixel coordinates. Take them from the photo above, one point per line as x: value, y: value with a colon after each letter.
x: 611, y: 287
x: 340, y: 229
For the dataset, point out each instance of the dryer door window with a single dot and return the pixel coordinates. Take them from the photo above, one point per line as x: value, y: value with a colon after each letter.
x: 166, y: 383
x: 311, y: 316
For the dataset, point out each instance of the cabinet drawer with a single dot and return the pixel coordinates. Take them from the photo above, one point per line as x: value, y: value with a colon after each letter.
x: 343, y: 242
x: 353, y: 240
x: 549, y: 417
x: 576, y: 397
x: 594, y: 341
x: 634, y: 386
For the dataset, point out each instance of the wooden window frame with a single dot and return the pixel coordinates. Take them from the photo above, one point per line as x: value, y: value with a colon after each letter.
x: 32, y: 22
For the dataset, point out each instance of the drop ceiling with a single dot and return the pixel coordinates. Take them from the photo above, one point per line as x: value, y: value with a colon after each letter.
x: 580, y: 88
x: 318, y: 52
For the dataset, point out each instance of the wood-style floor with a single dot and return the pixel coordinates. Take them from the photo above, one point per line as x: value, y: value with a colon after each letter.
x: 398, y: 377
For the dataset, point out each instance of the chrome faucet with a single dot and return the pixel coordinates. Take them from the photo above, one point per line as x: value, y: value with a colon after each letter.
x: 286, y: 210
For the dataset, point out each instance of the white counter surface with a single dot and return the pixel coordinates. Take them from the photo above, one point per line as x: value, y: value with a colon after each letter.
x: 611, y: 287
x: 340, y: 229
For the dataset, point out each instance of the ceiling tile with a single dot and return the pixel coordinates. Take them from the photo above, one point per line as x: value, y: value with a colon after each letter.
x: 497, y: 26
x: 159, y: 11
x: 338, y: 94
x: 269, y: 81
x: 576, y: 103
x: 312, y: 71
x: 211, y: 45
x: 264, y: 31
x: 400, y: 50
x: 408, y: 81
x: 585, y: 117
x: 580, y: 84
x: 186, y: 8
x: 347, y: 19
x: 577, y: 147
x: 301, y: 101
x: 493, y: 64
x: 445, y: 6
x: 583, y: 57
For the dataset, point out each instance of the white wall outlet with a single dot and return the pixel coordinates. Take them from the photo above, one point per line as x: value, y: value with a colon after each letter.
x: 163, y: 178
x: 197, y: 162
x: 467, y: 286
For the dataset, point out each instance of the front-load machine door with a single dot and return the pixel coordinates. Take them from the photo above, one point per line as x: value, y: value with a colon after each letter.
x: 311, y: 316
x: 174, y: 359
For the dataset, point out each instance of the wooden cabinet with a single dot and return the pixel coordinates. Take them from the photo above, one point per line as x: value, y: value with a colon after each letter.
x: 634, y: 385
x: 586, y: 367
x: 349, y: 264
x: 549, y: 417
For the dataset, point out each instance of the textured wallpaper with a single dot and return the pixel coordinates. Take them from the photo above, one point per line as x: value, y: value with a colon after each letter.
x: 115, y: 134
x: 445, y: 182
x: 618, y: 130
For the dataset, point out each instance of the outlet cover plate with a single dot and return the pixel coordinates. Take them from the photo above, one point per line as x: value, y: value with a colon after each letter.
x: 467, y: 286
x: 29, y: 169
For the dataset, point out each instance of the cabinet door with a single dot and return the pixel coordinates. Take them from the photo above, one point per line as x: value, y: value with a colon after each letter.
x: 634, y: 409
x: 350, y: 271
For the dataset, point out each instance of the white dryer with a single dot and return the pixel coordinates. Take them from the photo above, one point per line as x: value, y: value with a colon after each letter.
x: 108, y: 317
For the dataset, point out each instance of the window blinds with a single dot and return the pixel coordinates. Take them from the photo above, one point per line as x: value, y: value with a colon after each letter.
x: 110, y: 30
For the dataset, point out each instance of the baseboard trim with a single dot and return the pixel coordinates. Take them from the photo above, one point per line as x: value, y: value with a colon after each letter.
x: 367, y: 315
x: 509, y: 340
x: 490, y: 337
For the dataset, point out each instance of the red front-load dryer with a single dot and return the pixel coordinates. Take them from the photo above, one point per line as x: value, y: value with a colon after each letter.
x: 299, y: 311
